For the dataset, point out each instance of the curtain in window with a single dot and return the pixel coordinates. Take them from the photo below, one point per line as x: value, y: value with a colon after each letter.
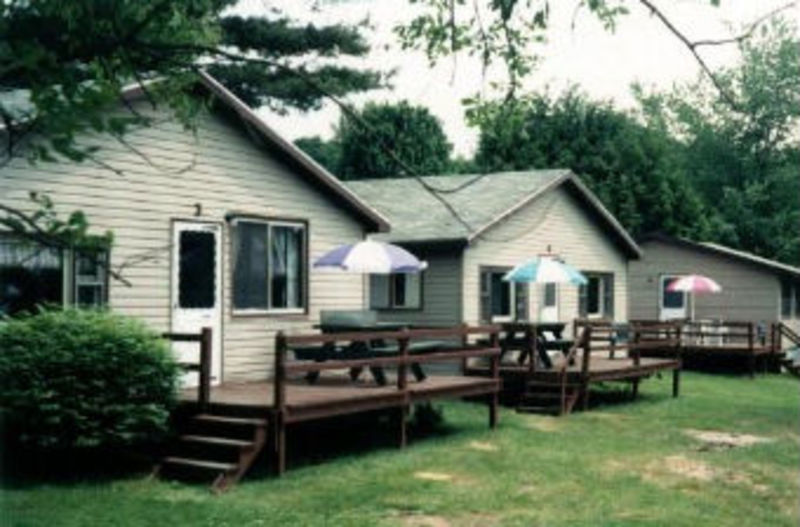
x: 521, y: 309
x: 286, y: 258
x: 30, y: 275
x: 413, y: 288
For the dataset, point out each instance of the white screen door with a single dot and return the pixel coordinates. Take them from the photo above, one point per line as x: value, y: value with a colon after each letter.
x: 196, y: 291
x: 548, y: 312
x: 671, y: 304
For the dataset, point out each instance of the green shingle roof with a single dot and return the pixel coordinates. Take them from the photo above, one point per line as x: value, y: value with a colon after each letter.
x: 415, y: 214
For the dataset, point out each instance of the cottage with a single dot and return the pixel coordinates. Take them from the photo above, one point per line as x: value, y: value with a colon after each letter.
x: 753, y: 288
x: 214, y: 228
x: 472, y: 229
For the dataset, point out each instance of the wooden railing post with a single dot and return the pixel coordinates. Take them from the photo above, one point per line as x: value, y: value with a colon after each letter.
x: 494, y: 398
x: 279, y: 404
x: 464, y: 344
x: 634, y: 350
x: 532, y: 347
x: 676, y: 373
x: 751, y: 349
x: 204, y: 381
x: 402, y: 386
x: 587, y: 355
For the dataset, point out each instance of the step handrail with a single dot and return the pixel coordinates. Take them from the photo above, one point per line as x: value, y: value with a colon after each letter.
x: 203, y: 364
x: 584, y: 342
x: 788, y: 332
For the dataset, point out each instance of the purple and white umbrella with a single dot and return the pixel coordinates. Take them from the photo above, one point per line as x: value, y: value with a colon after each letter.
x: 371, y: 257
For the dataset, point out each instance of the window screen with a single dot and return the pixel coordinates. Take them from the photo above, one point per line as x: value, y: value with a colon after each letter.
x: 250, y: 266
x: 671, y: 299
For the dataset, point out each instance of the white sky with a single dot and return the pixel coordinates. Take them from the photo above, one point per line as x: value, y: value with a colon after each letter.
x: 604, y: 64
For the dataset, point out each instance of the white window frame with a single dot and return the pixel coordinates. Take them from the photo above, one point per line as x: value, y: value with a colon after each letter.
x: 270, y: 223
x: 512, y: 294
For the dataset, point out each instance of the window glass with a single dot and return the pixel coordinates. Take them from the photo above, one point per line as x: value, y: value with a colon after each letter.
x: 593, y: 294
x: 30, y: 276
x: 500, y: 295
x: 671, y: 299
x: 286, y: 259
x: 90, y: 279
x: 250, y: 266
x: 196, y: 268
x: 269, y: 263
x: 549, y: 295
x: 379, y: 291
x: 797, y: 300
x: 786, y: 300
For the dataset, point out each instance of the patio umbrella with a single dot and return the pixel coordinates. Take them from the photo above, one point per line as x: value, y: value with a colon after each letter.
x: 694, y: 284
x: 545, y: 269
x: 371, y: 257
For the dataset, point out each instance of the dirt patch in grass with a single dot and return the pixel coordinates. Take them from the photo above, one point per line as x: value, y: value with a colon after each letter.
x: 483, y: 446
x: 678, y: 466
x: 544, y: 423
x: 716, y: 440
x: 425, y: 520
x: 433, y: 476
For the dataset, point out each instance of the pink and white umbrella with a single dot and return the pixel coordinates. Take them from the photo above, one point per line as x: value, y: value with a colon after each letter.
x: 694, y: 284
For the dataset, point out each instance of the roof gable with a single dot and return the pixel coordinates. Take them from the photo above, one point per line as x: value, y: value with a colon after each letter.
x: 725, y: 252
x: 483, y: 201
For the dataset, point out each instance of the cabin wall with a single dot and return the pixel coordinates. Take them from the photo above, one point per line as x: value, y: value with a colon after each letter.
x: 556, y: 220
x: 748, y: 292
x: 441, y: 292
x: 205, y: 175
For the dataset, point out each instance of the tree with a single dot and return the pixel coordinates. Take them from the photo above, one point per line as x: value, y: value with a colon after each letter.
x: 72, y: 59
x: 744, y: 159
x: 371, y: 144
x: 326, y: 153
x: 631, y: 168
x: 64, y: 63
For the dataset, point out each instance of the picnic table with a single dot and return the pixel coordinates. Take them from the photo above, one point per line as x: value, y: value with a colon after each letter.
x: 549, y: 337
x: 368, y: 348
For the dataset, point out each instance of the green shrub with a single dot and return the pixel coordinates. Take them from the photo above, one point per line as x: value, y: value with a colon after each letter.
x: 82, y: 378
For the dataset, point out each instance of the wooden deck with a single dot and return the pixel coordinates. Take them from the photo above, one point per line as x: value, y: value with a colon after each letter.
x: 600, y: 369
x: 337, y: 395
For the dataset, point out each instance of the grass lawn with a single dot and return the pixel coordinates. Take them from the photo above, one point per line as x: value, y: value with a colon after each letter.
x: 619, y: 464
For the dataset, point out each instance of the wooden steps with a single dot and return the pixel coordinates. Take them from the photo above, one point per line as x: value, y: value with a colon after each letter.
x: 216, y: 448
x: 545, y: 397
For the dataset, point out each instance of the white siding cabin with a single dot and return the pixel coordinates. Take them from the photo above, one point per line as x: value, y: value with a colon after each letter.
x: 503, y: 220
x: 198, y: 219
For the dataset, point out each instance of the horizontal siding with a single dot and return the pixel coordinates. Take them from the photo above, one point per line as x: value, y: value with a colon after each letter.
x: 222, y: 169
x: 748, y: 293
x: 556, y: 220
x: 441, y: 293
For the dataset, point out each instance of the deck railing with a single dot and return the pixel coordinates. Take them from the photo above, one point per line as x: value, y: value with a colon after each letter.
x: 459, y: 349
x: 402, y: 359
x: 203, y: 364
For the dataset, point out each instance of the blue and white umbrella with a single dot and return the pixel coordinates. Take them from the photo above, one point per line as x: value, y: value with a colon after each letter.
x: 547, y: 270
x: 371, y: 257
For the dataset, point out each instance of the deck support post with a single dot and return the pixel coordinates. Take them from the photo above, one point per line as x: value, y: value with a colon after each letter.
x: 204, y: 388
x: 402, y: 428
x: 635, y: 388
x: 676, y: 382
x: 279, y: 402
x: 494, y: 397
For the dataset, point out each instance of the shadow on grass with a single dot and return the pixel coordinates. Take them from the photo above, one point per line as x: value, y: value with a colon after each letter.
x: 309, y: 444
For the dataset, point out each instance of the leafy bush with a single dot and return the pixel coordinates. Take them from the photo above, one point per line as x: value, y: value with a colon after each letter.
x: 78, y: 378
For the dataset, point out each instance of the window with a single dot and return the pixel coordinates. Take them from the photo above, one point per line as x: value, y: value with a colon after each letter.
x: 671, y: 299
x: 786, y: 299
x: 269, y: 263
x: 596, y: 298
x: 395, y: 291
x: 501, y: 300
x: 32, y: 275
